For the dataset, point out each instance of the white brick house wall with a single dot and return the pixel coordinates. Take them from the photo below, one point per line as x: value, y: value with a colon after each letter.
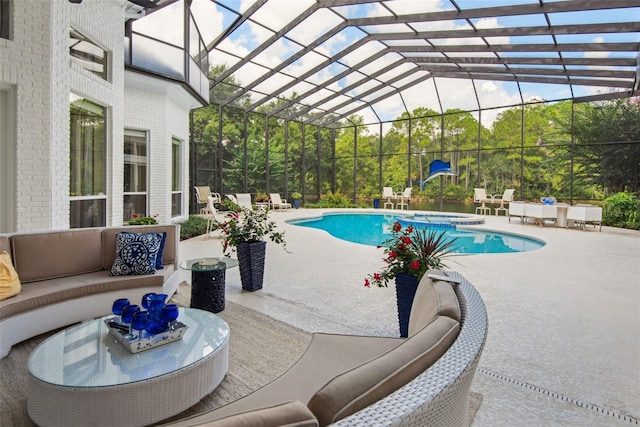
x: 25, y: 66
x: 36, y: 65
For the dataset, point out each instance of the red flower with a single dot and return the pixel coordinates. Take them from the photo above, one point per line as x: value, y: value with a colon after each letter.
x: 393, y: 254
x: 406, y: 240
x: 366, y: 283
x: 410, y: 229
x: 377, y: 277
x: 396, y: 227
x: 415, y: 265
x: 135, y: 215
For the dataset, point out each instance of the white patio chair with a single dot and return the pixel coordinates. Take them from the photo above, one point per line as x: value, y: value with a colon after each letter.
x: 507, y: 197
x: 244, y: 200
x: 214, y: 217
x: 277, y: 202
x: 480, y: 196
x: 202, y: 195
x: 387, y: 194
x: 404, y: 198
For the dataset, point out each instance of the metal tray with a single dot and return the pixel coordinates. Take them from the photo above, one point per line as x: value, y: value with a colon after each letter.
x: 148, y: 341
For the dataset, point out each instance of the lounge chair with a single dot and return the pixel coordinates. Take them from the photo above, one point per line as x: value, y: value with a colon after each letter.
x: 214, y: 217
x: 480, y: 196
x: 244, y: 200
x: 202, y: 195
x: 404, y: 198
x: 387, y: 194
x: 277, y: 202
x: 507, y: 197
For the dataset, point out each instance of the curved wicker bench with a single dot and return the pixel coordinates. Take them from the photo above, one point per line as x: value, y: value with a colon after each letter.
x: 341, y: 379
x: 440, y: 395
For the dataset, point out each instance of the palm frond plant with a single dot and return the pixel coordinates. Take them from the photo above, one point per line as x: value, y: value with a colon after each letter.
x: 412, y: 251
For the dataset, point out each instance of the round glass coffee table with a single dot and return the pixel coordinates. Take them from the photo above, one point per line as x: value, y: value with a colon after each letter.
x: 208, y: 282
x: 83, y: 376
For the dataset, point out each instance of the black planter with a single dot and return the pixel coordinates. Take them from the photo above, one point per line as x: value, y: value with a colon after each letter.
x: 406, y: 286
x: 376, y: 203
x: 251, y: 258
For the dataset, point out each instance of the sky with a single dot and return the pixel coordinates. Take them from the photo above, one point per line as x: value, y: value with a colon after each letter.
x: 437, y: 94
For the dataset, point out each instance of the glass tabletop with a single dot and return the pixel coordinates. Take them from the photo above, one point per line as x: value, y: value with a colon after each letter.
x: 209, y: 264
x: 86, y: 355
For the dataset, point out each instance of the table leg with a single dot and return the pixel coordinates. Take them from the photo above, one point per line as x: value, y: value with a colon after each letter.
x: 207, y: 290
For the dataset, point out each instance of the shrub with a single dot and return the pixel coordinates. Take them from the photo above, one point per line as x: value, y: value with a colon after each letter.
x: 621, y: 210
x: 333, y: 200
x: 192, y: 227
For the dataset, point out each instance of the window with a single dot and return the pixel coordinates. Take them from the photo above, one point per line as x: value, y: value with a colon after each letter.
x: 87, y: 54
x: 87, y: 180
x: 176, y: 177
x: 5, y: 19
x: 135, y: 174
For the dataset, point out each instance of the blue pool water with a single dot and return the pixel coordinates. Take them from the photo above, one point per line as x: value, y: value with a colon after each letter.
x: 373, y: 229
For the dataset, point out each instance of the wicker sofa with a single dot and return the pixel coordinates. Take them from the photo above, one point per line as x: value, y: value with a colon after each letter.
x: 347, y: 380
x: 65, y: 278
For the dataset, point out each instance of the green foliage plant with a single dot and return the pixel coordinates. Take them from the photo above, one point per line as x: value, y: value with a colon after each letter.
x: 333, y: 200
x: 249, y: 225
x: 412, y: 251
x: 622, y: 210
x: 296, y: 196
x: 143, y: 220
x: 194, y: 226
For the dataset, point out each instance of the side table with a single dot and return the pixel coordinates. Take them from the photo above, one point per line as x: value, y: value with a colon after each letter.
x: 207, y: 281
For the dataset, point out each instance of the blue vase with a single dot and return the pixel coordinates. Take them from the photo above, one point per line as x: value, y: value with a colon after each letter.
x: 406, y: 286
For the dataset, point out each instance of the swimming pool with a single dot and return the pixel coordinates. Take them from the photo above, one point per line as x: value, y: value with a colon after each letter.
x: 373, y: 229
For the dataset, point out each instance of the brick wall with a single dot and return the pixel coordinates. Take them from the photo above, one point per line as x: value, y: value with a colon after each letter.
x: 37, y: 66
x: 25, y: 66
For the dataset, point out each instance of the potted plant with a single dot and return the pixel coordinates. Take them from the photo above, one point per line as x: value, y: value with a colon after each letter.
x: 142, y: 220
x: 296, y: 199
x: 262, y: 198
x: 244, y: 232
x: 409, y: 253
x: 376, y: 200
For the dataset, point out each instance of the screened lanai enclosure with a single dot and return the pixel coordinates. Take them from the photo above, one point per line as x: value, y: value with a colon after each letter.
x: 348, y: 96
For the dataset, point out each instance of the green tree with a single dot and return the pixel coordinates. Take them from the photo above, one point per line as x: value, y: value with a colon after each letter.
x: 608, y: 144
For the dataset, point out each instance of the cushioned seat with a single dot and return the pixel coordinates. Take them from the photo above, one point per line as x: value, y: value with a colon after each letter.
x: 47, y: 292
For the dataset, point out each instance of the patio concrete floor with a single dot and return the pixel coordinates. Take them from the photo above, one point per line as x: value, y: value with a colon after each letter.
x: 563, y: 346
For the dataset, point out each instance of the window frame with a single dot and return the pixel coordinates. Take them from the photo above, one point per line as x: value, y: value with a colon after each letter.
x: 136, y: 133
x: 99, y: 195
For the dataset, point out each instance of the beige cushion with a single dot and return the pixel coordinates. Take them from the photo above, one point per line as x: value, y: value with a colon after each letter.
x: 290, y: 414
x: 9, y: 281
x: 433, y: 298
x: 358, y: 388
x: 109, y: 242
x: 49, y: 255
x: 5, y: 245
x: 45, y: 292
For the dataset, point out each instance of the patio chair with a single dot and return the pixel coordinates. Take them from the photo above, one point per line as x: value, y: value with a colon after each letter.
x: 387, y: 194
x: 202, y: 195
x: 277, y: 202
x: 244, y: 200
x: 214, y: 217
x: 404, y: 198
x: 507, y: 197
x: 480, y: 196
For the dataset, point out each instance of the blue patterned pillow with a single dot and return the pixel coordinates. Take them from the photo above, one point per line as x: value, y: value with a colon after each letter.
x: 136, y: 254
x: 160, y: 251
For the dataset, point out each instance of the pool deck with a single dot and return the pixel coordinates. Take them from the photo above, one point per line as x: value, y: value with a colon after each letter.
x: 563, y: 346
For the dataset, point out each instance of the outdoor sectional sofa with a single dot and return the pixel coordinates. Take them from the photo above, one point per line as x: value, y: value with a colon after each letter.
x: 348, y: 380
x: 65, y: 278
